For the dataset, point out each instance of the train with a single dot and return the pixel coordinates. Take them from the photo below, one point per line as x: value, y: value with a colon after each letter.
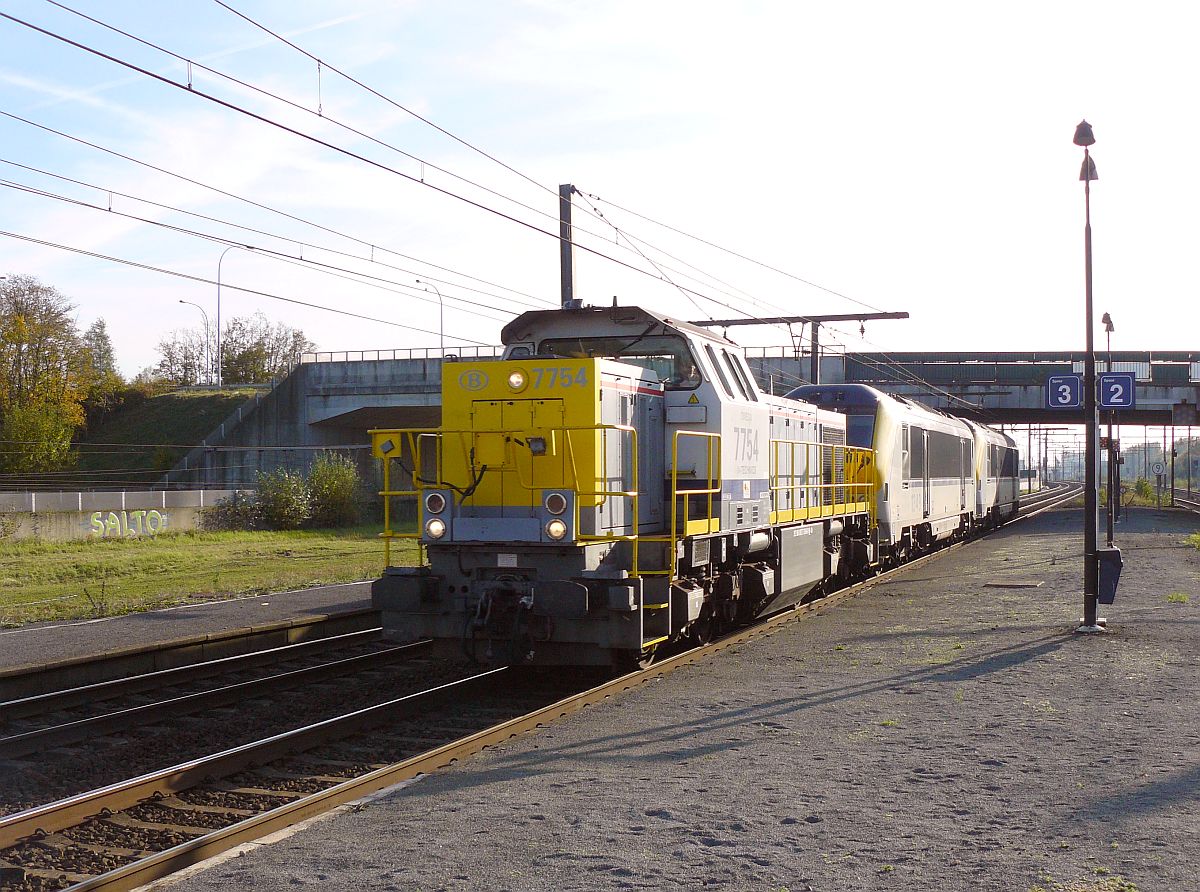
x: 616, y: 481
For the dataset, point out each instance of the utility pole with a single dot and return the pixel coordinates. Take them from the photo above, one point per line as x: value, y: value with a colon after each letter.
x: 813, y: 321
x: 566, y: 257
x: 1029, y: 455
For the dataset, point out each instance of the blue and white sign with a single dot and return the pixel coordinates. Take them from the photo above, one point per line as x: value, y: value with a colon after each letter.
x: 1064, y: 392
x: 1116, y: 390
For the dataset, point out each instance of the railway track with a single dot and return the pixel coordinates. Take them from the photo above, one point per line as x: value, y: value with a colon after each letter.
x: 1189, y: 501
x: 127, y: 834
x: 34, y: 724
x: 28, y: 681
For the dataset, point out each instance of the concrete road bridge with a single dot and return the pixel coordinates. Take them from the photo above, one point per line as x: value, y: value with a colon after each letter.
x: 331, y: 400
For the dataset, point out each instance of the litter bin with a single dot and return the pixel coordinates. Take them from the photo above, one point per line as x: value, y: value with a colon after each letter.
x: 1110, y: 573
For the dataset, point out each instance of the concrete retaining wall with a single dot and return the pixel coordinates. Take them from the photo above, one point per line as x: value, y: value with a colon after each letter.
x: 58, y: 516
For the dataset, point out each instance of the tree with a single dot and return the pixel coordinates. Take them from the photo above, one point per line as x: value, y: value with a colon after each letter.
x: 183, y: 358
x: 44, y: 376
x: 106, y: 389
x: 100, y: 349
x: 253, y: 351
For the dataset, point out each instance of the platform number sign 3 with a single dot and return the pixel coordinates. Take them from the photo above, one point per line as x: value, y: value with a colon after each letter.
x: 1064, y: 392
x: 1116, y: 390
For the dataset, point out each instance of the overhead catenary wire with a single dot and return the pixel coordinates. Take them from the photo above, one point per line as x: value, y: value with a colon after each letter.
x: 629, y: 237
x: 661, y: 275
x: 325, y: 117
x: 304, y: 262
x: 207, y: 281
x: 737, y: 254
x: 283, y: 238
x: 387, y: 99
x: 318, y: 113
x: 285, y: 214
x: 339, y: 149
x: 632, y: 245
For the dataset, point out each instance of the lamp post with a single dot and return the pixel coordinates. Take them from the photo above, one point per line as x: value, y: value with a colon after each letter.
x: 207, y: 352
x: 219, y: 259
x: 1091, y: 520
x: 425, y: 286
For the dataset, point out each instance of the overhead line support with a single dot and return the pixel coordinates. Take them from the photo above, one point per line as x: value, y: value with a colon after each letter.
x: 815, y: 325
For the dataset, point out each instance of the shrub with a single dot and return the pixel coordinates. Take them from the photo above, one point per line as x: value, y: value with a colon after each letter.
x: 1143, y: 489
x: 335, y: 488
x: 236, y: 512
x: 284, y: 501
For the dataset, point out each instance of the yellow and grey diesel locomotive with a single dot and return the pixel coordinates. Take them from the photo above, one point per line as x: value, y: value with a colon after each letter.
x: 615, y: 481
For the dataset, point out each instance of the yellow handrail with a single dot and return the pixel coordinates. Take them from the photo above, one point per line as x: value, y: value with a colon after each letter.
x: 416, y: 437
x: 793, y: 485
x: 713, y: 487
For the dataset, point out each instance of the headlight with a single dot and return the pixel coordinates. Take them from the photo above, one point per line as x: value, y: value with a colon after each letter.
x: 556, y: 503
x: 556, y: 529
x: 517, y: 380
x: 435, y: 503
x: 435, y: 528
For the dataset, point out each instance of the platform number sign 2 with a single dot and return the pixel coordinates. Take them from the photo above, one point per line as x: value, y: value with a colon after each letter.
x: 1116, y: 390
x: 1064, y: 392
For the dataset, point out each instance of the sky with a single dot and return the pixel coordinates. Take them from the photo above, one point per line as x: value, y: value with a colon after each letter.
x: 870, y: 156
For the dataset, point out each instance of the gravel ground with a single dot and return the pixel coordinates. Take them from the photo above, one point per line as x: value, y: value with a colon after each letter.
x: 932, y: 733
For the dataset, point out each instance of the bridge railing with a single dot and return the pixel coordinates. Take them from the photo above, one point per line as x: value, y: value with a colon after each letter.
x: 401, y: 353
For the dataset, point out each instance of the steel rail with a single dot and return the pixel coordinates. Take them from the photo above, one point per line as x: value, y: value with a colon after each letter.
x: 69, y: 812
x: 1187, y: 502
x: 147, y: 681
x: 1053, y: 499
x: 32, y: 679
x: 40, y: 739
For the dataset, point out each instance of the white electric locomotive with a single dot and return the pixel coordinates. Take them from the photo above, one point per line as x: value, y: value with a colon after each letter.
x: 940, y: 477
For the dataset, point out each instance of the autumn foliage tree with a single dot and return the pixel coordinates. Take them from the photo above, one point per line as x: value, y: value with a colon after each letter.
x: 44, y: 376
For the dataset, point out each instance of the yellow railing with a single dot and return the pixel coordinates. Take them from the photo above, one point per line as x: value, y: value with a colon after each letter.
x: 799, y: 471
x: 710, y: 523
x: 417, y: 438
x: 413, y: 437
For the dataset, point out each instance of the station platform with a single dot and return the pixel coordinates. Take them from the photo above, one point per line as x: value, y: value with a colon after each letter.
x: 945, y: 729
x: 42, y: 645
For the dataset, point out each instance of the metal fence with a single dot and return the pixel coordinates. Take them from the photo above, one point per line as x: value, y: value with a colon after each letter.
x: 40, y: 502
x: 401, y: 353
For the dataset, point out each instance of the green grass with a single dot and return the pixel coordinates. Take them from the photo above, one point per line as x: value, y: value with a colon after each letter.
x: 1194, y: 540
x: 83, y: 578
x: 177, y: 421
x: 1177, y: 598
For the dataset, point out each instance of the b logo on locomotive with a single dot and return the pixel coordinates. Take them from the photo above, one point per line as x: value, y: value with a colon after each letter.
x: 473, y: 379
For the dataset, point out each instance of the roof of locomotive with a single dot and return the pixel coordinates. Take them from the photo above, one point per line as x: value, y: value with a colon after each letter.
x: 831, y: 396
x: 600, y: 322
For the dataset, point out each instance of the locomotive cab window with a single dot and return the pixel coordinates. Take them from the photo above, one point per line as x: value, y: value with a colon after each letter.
x: 860, y: 430
x: 667, y: 355
x: 737, y: 367
x: 712, y: 358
